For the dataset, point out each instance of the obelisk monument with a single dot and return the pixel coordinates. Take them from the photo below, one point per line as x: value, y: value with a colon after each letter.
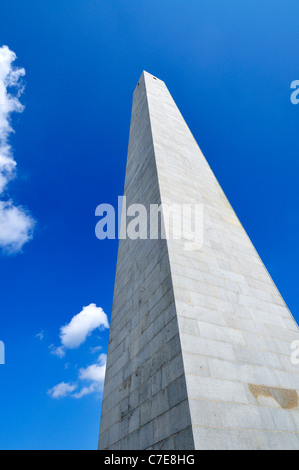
x: 200, y: 344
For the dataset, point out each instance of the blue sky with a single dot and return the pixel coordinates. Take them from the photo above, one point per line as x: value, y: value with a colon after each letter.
x: 229, y: 66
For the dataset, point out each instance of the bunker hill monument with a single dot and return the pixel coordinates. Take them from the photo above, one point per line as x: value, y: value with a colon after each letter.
x: 200, y: 351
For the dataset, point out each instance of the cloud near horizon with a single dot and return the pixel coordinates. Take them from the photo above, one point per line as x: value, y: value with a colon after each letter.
x: 16, y: 224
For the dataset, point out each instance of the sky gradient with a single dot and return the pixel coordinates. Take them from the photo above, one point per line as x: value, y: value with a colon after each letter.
x: 229, y: 67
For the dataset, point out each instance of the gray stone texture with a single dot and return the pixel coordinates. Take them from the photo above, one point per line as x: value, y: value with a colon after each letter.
x: 199, y: 349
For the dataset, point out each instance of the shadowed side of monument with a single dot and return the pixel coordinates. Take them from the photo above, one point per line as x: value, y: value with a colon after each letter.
x: 145, y: 397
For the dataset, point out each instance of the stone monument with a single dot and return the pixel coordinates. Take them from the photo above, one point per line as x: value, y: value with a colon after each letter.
x: 200, y: 344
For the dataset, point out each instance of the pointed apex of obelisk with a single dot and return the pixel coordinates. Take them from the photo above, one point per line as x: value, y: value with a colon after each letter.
x: 145, y: 76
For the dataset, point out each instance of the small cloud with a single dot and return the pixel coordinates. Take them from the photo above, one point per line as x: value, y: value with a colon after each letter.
x: 40, y: 335
x: 16, y: 227
x: 85, y: 391
x: 96, y: 349
x: 59, y: 351
x: 61, y: 390
x: 80, y: 327
x: 95, y: 374
x: 72, y: 336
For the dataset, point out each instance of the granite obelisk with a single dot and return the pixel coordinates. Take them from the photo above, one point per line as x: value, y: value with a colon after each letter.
x: 199, y: 353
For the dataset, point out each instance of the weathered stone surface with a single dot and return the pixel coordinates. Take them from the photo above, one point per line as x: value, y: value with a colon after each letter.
x: 199, y: 352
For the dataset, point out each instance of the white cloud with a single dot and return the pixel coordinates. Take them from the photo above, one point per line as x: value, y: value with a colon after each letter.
x: 90, y: 379
x: 16, y: 225
x: 85, y: 391
x: 61, y: 390
x: 9, y: 77
x: 95, y: 374
x: 80, y: 327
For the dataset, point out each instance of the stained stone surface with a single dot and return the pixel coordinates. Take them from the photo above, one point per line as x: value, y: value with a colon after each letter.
x: 199, y: 353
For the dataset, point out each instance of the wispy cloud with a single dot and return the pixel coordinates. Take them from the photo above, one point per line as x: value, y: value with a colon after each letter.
x: 57, y: 351
x: 80, y: 327
x: 16, y: 224
x: 61, y: 390
x: 93, y: 376
x: 40, y: 335
x: 96, y: 349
